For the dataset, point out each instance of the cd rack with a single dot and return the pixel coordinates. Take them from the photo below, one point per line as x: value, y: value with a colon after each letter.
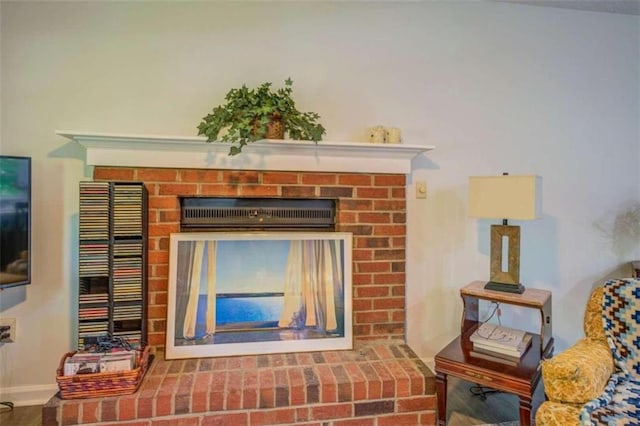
x: 112, y: 264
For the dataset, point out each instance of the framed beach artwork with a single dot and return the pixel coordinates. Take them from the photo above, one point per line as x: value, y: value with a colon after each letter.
x: 238, y: 293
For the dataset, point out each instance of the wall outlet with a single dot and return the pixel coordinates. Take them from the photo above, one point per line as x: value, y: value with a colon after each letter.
x: 11, y: 322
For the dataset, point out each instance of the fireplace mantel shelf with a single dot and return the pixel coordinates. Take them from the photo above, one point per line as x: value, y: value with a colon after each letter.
x: 193, y: 152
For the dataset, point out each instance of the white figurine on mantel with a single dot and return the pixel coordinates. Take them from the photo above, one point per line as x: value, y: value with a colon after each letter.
x: 381, y: 134
x: 377, y: 134
x: 393, y: 135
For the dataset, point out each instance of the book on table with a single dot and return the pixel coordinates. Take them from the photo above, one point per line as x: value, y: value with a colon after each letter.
x: 511, y: 354
x: 498, y: 335
x: 491, y: 357
x: 497, y: 339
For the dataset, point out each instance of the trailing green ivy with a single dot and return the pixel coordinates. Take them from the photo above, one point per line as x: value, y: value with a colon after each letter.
x: 247, y: 112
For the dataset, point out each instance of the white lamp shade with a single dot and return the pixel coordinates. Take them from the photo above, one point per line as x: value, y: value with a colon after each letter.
x: 517, y: 197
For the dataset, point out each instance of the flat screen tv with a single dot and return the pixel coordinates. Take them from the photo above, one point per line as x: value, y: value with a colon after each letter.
x: 15, y: 221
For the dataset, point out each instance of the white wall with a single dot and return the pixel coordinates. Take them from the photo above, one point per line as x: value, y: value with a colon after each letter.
x: 495, y: 87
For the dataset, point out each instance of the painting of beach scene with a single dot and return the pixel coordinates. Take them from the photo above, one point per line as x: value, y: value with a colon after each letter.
x: 237, y: 293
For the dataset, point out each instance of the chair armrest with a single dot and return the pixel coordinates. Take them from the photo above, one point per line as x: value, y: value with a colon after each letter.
x: 579, y: 374
x: 558, y: 414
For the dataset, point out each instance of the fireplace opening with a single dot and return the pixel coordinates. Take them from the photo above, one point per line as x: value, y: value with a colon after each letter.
x: 230, y: 214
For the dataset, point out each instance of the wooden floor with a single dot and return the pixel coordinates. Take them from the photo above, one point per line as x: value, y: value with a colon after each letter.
x: 463, y: 409
x: 21, y: 416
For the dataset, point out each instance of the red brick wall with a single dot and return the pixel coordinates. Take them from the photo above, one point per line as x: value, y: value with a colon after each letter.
x: 371, y: 206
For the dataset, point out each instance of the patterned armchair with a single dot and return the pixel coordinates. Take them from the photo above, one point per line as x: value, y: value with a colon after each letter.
x: 597, y: 380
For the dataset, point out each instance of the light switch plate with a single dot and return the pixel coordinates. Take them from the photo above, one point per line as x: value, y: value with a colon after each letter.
x: 421, y: 189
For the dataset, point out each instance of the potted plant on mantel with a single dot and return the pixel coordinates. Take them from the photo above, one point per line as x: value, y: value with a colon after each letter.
x: 261, y: 113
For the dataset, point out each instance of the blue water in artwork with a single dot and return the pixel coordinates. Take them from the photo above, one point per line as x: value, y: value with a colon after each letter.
x: 240, y: 310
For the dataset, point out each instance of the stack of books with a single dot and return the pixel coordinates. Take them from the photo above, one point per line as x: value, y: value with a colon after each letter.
x: 499, y: 344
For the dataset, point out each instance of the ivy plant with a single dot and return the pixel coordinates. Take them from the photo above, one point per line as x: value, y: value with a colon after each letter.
x: 247, y: 114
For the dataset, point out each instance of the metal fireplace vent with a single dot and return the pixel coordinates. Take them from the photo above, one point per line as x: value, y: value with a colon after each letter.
x: 256, y: 213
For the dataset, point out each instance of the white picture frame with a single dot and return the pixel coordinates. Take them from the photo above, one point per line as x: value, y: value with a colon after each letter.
x: 241, y: 293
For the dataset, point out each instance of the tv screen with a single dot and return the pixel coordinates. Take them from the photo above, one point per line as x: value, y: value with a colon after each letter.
x: 15, y: 221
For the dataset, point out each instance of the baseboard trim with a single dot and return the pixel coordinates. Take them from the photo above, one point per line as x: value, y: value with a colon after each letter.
x: 22, y: 396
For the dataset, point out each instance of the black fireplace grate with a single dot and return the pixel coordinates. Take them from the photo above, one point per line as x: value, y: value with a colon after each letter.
x: 256, y: 213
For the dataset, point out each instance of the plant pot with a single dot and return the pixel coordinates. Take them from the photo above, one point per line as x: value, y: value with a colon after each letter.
x: 275, y: 128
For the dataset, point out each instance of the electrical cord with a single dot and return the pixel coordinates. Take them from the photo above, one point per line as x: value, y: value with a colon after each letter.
x: 482, y: 392
x: 495, y: 309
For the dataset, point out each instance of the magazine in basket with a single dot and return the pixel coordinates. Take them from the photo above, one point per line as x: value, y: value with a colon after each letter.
x: 96, y: 383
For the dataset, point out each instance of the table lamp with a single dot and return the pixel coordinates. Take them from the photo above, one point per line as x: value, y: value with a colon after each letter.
x: 505, y: 197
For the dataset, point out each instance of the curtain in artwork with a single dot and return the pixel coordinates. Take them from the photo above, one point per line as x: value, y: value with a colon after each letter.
x: 200, y: 250
x: 189, y: 329
x: 338, y: 284
x: 183, y: 278
x: 293, y: 312
x: 211, y: 287
x: 313, y: 285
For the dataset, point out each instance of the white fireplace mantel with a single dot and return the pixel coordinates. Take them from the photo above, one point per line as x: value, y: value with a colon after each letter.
x: 194, y: 152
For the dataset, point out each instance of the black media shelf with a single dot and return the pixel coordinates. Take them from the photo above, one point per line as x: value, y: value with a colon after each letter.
x: 112, y: 297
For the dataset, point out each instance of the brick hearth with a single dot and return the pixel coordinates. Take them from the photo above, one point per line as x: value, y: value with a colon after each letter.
x: 381, y: 382
x: 376, y: 384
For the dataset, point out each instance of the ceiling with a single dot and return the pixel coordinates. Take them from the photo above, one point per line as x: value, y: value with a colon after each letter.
x: 625, y: 7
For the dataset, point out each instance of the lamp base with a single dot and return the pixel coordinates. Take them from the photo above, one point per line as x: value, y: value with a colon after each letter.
x: 505, y: 287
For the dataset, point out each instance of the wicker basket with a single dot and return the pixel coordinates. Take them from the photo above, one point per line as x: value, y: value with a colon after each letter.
x: 275, y: 128
x: 101, y: 384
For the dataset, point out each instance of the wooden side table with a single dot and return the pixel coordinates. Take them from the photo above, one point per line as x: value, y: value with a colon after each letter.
x: 521, y: 379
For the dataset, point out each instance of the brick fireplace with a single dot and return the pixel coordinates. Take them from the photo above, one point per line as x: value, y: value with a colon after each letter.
x: 380, y: 382
x: 371, y: 206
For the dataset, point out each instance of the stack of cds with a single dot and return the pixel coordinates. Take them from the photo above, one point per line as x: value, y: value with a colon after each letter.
x: 101, y: 312
x: 94, y: 259
x: 127, y: 279
x: 93, y: 328
x: 127, y: 248
x: 94, y: 211
x: 127, y: 312
x: 94, y: 298
x: 127, y: 212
